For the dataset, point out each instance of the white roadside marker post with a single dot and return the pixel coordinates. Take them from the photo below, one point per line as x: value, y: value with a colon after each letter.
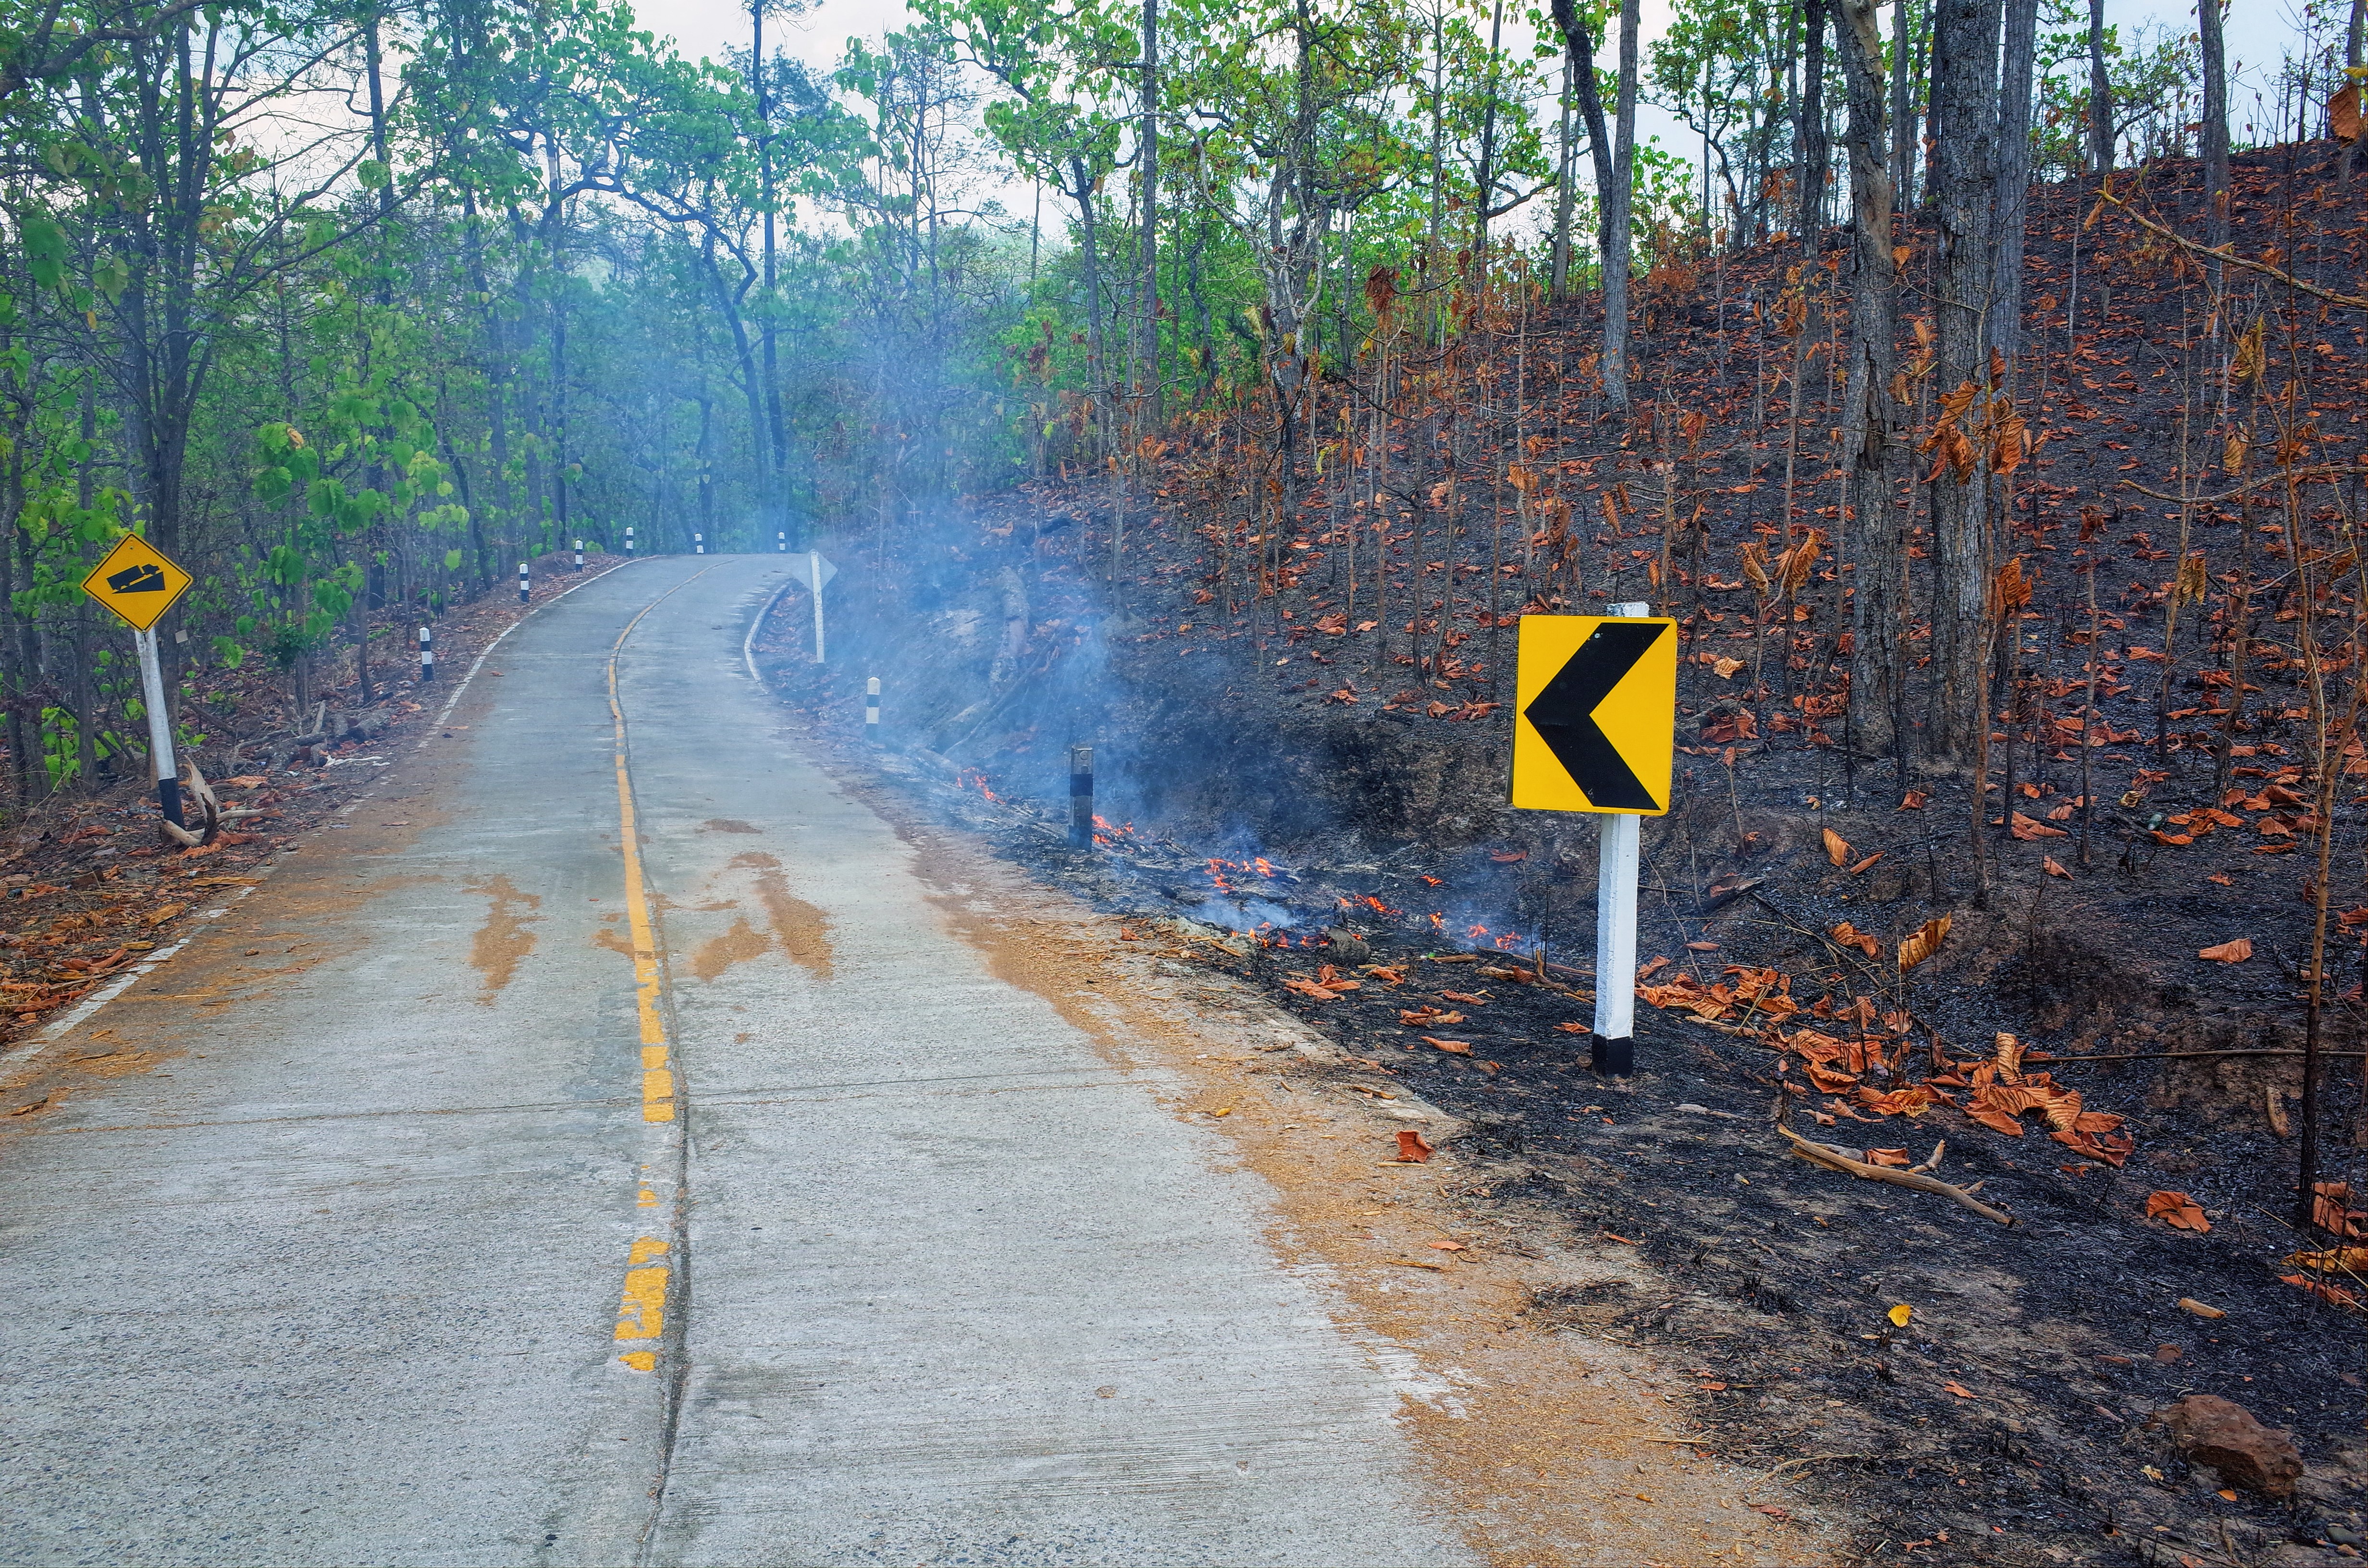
x: 781, y: 541
x: 427, y: 657
x: 1619, y: 843
x: 813, y: 584
x: 629, y: 541
x: 160, y: 728
x: 579, y: 556
x: 872, y: 710
x: 523, y: 589
x: 699, y: 544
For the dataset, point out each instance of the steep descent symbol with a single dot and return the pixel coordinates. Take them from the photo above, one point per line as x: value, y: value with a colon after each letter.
x: 1564, y: 715
x: 145, y: 578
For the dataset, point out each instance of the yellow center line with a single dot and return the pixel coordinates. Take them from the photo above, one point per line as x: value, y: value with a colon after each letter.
x: 640, y: 1319
x: 649, y: 984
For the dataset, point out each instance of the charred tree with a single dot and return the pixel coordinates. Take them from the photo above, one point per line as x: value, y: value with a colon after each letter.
x: 1870, y: 532
x: 1815, y: 155
x: 2100, y: 96
x: 1965, y: 165
x: 2014, y: 172
x: 2214, y: 128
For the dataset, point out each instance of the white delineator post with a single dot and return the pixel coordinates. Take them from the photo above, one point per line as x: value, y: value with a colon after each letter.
x: 699, y: 544
x: 523, y: 593
x: 1611, y: 1046
x: 427, y: 656
x: 160, y: 728
x: 813, y: 581
x: 579, y: 556
x: 781, y: 541
x: 629, y: 541
x: 872, y: 709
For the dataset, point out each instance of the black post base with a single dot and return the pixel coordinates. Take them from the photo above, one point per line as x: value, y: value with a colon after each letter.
x: 168, y: 800
x: 1615, y: 1057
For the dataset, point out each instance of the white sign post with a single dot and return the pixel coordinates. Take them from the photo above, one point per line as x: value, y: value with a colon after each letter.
x: 1619, y: 844
x: 814, y: 571
x: 160, y: 727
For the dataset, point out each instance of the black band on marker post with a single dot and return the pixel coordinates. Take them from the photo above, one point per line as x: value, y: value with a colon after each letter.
x: 1081, y: 797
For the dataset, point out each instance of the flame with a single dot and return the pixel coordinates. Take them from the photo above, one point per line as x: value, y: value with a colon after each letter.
x: 1432, y: 880
x: 1264, y: 870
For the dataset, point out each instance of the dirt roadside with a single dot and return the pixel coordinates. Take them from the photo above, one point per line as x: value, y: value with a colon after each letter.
x: 1558, y: 1449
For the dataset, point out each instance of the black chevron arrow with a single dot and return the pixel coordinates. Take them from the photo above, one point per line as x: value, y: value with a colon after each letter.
x: 1564, y: 715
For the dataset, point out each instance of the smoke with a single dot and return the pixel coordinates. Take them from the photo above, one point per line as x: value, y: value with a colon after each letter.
x: 1001, y: 643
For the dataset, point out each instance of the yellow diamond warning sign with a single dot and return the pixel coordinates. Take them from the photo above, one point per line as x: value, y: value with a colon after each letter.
x: 1596, y: 713
x: 137, y: 581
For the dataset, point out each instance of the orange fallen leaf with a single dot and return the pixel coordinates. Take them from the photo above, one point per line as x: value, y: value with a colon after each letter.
x: 2024, y: 828
x: 1869, y: 860
x: 1960, y: 1390
x: 1914, y: 800
x: 1449, y: 1246
x: 1411, y: 1146
x: 2047, y: 862
x: 2235, y: 951
x: 1893, y: 1157
x: 1837, y: 848
x: 1850, y: 935
x: 1923, y: 942
x: 1453, y: 1047
x: 2177, y: 1211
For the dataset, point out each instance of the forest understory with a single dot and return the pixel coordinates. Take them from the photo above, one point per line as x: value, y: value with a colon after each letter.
x: 2093, y: 991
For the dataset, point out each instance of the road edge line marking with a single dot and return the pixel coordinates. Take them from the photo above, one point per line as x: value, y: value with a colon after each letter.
x: 88, y: 1007
x: 748, y: 644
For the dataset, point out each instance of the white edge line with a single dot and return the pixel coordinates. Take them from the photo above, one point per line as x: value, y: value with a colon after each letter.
x: 58, y: 1028
x: 748, y: 644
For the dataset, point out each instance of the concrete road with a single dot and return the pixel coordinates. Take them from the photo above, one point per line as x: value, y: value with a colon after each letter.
x: 495, y: 1188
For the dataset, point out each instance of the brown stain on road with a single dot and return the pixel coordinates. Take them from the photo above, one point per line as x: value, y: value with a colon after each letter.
x: 803, y: 930
x: 719, y: 953
x: 503, y: 938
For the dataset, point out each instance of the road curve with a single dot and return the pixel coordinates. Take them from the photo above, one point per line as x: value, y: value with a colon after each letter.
x: 495, y: 1188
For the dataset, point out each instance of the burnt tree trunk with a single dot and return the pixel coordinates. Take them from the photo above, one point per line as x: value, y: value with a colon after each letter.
x: 2014, y: 172
x: 2100, y: 96
x: 1871, y: 530
x: 1965, y: 163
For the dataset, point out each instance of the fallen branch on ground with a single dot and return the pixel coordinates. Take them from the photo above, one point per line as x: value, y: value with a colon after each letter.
x: 1834, y: 1159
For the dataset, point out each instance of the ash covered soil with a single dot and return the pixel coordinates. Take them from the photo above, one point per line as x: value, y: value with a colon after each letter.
x: 1269, y: 772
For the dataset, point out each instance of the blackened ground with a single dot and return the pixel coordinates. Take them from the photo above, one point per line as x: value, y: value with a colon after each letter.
x: 2006, y: 1422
